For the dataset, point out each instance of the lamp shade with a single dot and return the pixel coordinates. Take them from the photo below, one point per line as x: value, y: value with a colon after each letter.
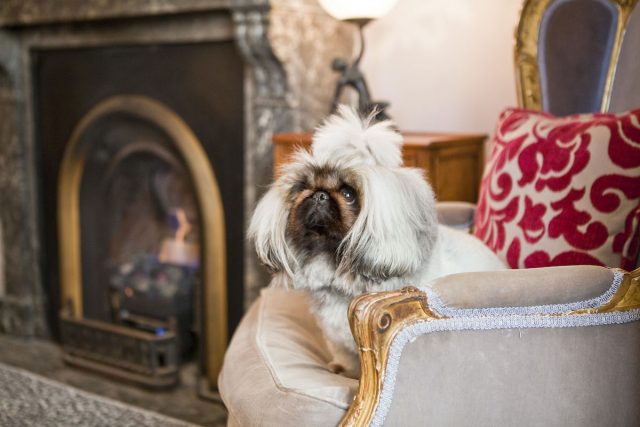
x: 357, y: 9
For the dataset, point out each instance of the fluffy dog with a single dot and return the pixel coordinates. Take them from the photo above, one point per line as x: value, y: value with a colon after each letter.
x: 347, y: 219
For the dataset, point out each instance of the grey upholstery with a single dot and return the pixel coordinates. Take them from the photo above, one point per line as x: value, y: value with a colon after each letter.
x: 513, y: 288
x: 586, y: 376
x: 575, y: 47
x: 458, y: 215
x: 575, y: 44
x: 491, y: 364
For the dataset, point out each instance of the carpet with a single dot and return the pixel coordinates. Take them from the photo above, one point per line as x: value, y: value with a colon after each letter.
x: 27, y: 399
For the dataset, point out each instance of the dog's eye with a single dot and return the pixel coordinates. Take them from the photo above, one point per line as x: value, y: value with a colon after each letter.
x: 348, y: 193
x: 299, y: 186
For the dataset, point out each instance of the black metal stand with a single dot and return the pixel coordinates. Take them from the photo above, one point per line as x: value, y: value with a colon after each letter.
x: 352, y: 77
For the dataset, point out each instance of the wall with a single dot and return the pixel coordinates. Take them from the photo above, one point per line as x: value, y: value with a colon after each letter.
x: 444, y: 65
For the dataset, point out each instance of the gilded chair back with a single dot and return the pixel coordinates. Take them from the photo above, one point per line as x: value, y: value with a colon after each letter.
x: 578, y: 56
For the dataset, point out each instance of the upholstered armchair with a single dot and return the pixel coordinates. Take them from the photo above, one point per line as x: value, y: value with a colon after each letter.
x: 536, y: 346
x: 552, y: 346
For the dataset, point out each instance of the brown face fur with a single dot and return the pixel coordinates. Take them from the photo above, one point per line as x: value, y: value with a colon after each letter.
x: 324, y: 205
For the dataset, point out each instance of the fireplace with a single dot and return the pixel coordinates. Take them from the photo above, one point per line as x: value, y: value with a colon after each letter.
x: 143, y: 261
x: 141, y: 187
x: 135, y: 140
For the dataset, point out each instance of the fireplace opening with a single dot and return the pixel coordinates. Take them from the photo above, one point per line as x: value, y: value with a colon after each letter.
x: 142, y: 254
x: 140, y: 234
x: 142, y: 165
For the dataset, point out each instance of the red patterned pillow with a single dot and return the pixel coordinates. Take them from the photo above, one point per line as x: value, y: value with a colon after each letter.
x: 562, y: 190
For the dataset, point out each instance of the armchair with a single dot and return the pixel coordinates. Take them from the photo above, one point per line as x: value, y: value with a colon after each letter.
x: 477, y: 349
x: 542, y: 346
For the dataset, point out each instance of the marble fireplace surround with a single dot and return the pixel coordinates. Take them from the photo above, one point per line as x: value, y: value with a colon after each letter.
x: 287, y: 46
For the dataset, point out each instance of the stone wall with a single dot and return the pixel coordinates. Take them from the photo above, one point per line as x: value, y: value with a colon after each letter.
x: 306, y: 40
x: 5, y: 131
x: 2, y: 279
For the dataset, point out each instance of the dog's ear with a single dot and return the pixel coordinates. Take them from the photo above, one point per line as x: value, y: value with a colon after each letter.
x: 268, y: 231
x: 396, y: 228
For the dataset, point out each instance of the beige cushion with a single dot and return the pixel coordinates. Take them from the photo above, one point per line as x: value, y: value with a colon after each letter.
x: 518, y: 288
x: 275, y: 369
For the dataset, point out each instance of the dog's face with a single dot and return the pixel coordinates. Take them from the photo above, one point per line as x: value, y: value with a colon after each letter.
x: 349, y: 199
x: 324, y: 205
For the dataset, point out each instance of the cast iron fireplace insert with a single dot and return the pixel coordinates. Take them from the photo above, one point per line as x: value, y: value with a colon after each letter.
x: 140, y: 306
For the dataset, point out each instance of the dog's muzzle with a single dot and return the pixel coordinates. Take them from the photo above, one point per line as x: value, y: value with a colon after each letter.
x: 320, y: 212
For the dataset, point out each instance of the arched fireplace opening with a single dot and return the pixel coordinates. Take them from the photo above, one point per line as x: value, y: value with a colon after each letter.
x: 142, y: 245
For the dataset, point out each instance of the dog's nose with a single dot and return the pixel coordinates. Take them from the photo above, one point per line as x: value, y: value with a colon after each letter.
x: 321, y: 196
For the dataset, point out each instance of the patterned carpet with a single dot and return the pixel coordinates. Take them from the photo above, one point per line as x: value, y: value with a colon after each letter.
x: 31, y: 400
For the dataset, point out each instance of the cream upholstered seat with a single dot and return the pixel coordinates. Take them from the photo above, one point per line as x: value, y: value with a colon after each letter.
x: 533, y: 347
x: 275, y: 370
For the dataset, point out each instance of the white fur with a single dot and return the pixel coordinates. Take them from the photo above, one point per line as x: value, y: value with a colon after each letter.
x: 267, y: 230
x: 347, y: 135
x: 395, y: 240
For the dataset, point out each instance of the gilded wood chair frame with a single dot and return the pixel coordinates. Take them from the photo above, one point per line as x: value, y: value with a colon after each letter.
x: 528, y: 85
x: 377, y: 318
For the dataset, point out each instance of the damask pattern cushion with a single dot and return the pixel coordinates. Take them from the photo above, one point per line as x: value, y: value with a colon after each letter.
x: 562, y: 190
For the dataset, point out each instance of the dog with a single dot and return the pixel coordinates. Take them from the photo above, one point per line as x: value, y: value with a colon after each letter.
x: 348, y: 218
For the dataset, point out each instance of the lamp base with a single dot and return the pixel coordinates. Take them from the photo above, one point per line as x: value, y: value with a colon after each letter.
x: 360, y: 22
x: 352, y: 77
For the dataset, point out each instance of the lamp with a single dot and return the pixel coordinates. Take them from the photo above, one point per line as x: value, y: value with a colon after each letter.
x: 360, y: 13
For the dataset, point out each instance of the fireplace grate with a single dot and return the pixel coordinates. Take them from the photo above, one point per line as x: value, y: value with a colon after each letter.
x: 130, y: 354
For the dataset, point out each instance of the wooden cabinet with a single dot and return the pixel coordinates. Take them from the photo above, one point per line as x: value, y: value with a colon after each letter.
x: 453, y: 162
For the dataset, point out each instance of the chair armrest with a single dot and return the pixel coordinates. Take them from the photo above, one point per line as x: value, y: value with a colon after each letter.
x: 378, y: 320
x: 458, y: 215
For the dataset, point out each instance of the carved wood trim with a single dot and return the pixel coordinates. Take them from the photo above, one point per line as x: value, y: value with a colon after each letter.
x: 626, y: 298
x: 375, y: 319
